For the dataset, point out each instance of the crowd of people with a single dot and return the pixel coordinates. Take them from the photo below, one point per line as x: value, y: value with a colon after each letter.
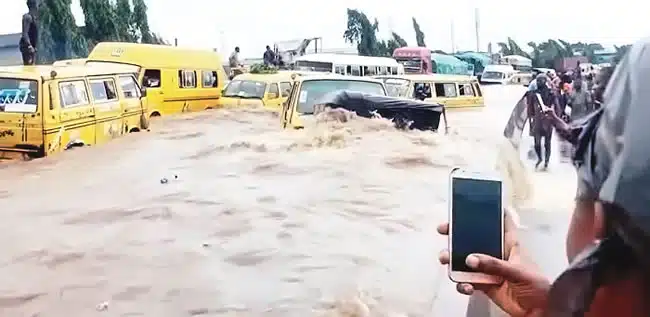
x: 572, y: 95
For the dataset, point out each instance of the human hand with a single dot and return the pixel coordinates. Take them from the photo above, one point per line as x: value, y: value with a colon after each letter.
x: 524, y: 290
x: 31, y: 49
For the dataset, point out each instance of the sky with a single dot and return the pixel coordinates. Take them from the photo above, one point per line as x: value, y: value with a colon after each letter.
x: 253, y: 24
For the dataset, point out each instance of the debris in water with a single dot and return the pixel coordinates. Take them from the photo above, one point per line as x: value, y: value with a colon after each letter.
x: 102, y: 307
x: 165, y: 180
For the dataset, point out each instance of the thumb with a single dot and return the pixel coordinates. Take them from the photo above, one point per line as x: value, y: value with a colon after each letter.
x: 492, y: 266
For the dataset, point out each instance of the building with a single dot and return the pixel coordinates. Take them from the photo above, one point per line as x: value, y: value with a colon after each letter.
x: 9, y: 51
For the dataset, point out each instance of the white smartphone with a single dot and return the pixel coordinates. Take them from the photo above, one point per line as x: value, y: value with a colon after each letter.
x: 476, y: 223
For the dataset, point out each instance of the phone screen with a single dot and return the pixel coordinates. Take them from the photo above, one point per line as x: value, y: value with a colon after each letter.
x: 476, y: 213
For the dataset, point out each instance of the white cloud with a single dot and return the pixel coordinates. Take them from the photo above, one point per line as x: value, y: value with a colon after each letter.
x: 252, y: 24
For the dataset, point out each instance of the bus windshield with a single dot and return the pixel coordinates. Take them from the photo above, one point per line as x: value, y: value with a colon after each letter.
x: 313, y: 92
x: 245, y: 89
x: 412, y: 65
x: 493, y: 75
x: 397, y: 87
x: 18, y: 95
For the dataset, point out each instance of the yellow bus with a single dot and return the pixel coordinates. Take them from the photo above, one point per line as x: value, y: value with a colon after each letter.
x: 266, y: 90
x: 453, y: 91
x: 176, y: 79
x: 48, y: 109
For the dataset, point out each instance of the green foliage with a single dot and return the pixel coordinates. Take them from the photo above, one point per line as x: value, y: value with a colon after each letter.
x: 419, y: 35
x: 544, y: 54
x: 362, y: 32
x: 262, y: 68
x: 105, y: 20
x: 59, y: 35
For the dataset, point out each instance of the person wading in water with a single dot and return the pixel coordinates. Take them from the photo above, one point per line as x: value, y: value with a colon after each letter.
x: 541, y: 125
x: 29, y: 38
x: 579, y: 100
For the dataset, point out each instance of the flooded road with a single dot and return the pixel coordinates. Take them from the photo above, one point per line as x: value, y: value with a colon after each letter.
x: 222, y: 213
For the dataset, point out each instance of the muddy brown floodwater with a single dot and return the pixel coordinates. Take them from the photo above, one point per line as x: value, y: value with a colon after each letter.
x: 222, y: 213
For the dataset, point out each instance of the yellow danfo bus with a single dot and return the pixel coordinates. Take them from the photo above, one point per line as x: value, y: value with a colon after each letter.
x: 48, y: 109
x: 176, y: 79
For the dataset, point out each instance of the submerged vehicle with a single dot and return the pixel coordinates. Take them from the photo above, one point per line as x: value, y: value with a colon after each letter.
x: 363, y: 95
x: 405, y: 113
x: 266, y: 90
x: 177, y: 79
x: 453, y: 91
x: 308, y: 91
x: 48, y: 109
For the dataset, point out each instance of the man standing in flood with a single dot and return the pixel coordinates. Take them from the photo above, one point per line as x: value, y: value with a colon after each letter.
x: 29, y: 38
x: 579, y: 100
x: 541, y: 124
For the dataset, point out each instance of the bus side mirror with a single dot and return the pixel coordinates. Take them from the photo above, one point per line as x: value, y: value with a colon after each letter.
x: 143, y: 91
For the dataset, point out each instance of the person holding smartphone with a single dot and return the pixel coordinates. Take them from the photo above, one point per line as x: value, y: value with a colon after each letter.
x: 608, y: 242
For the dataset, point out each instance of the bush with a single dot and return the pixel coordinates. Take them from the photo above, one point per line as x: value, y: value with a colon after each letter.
x: 263, y: 69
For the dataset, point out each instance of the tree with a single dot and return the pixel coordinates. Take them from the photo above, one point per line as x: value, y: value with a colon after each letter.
x: 394, y: 43
x: 117, y: 20
x: 59, y: 35
x: 399, y: 40
x: 101, y: 21
x: 419, y: 35
x: 621, y: 51
x: 363, y: 33
x: 544, y: 54
x: 141, y: 22
x: 124, y: 17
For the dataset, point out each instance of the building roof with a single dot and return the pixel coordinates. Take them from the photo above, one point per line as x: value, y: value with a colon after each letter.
x: 9, y: 40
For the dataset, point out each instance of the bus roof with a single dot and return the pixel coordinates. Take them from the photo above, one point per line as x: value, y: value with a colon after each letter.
x: 74, y: 61
x: 280, y: 76
x: 342, y: 59
x: 431, y: 77
x: 339, y: 77
x: 154, y: 56
x: 67, y: 71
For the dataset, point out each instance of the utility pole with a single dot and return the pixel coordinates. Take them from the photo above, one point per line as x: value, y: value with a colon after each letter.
x: 478, y: 27
x: 453, y: 38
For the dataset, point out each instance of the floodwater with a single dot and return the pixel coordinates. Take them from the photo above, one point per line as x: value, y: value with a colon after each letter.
x: 222, y: 213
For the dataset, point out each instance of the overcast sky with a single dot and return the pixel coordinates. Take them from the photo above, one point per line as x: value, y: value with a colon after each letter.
x: 252, y: 24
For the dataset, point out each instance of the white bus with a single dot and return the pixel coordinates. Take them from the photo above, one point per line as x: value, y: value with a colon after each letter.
x: 352, y: 65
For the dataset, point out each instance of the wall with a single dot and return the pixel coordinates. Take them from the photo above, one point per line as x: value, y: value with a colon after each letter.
x: 9, y: 53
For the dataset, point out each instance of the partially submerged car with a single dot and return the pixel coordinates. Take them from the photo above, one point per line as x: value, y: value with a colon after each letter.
x: 311, y: 90
x: 363, y: 95
x: 405, y: 113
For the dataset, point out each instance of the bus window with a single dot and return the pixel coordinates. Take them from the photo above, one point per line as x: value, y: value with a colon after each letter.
x: 151, y: 78
x: 393, y: 70
x: 446, y: 90
x: 384, y: 70
x: 356, y: 70
x: 338, y: 69
x: 465, y: 90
